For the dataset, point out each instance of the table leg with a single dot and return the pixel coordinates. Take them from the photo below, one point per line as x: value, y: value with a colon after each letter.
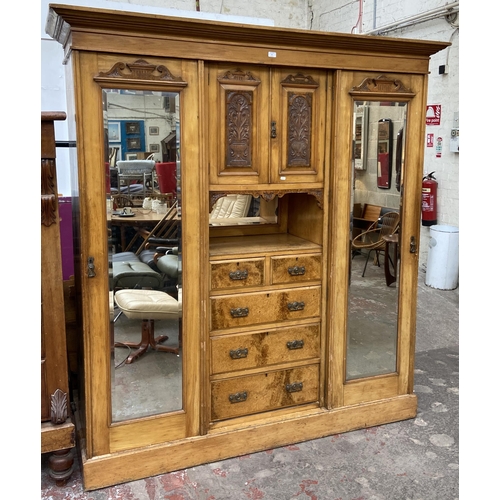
x: 389, y: 277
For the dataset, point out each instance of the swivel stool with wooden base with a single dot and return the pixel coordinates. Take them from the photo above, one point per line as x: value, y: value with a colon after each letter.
x: 147, y: 305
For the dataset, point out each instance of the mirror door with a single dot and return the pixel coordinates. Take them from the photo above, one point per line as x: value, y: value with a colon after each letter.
x: 376, y: 207
x: 143, y: 178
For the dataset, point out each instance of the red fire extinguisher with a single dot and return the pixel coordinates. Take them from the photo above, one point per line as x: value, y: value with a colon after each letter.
x: 429, y: 200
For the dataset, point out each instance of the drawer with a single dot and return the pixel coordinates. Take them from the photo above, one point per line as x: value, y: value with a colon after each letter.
x: 240, y: 352
x: 264, y: 392
x: 295, y: 269
x: 237, y: 273
x: 232, y: 311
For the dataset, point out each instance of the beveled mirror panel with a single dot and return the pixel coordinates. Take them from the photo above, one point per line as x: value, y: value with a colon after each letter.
x: 143, y: 175
x: 372, y: 331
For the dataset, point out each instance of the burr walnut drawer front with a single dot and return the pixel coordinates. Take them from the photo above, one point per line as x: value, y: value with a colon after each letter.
x: 293, y: 269
x: 255, y: 350
x: 243, y: 309
x: 251, y: 394
x: 237, y: 273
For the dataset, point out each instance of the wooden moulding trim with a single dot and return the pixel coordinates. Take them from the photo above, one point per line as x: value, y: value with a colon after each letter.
x: 99, y: 472
x: 63, y: 18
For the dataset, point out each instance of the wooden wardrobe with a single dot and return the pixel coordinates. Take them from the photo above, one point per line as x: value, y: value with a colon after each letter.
x: 261, y: 111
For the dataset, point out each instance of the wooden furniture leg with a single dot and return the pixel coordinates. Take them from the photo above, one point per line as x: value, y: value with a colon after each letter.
x: 393, y: 241
x: 147, y: 340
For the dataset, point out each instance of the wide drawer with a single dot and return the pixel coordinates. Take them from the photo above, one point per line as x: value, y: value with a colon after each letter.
x: 294, y: 269
x: 232, y: 311
x: 237, y: 273
x: 240, y: 352
x: 264, y: 392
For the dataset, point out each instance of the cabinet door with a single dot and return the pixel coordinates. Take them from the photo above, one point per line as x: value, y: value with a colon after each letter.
x: 238, y: 124
x: 299, y: 108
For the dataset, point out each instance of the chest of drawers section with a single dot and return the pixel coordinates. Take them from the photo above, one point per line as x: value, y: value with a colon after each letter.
x: 265, y: 309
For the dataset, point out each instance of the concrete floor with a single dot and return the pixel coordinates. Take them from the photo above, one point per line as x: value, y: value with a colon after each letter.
x: 415, y: 459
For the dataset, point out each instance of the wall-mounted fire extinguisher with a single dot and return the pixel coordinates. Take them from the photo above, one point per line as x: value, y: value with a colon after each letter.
x: 429, y: 200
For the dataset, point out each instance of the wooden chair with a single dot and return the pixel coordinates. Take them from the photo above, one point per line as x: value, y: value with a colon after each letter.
x: 372, y: 238
x: 122, y: 200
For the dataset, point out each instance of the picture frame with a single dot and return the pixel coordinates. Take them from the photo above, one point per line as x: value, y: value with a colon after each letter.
x: 131, y: 156
x: 134, y: 143
x: 114, y: 134
x: 154, y: 148
x: 154, y: 130
x: 132, y: 128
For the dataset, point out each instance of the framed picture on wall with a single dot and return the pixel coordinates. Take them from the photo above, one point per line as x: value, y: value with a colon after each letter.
x: 131, y: 156
x: 134, y: 143
x: 132, y: 128
x: 114, y: 131
x: 154, y: 130
x: 154, y: 148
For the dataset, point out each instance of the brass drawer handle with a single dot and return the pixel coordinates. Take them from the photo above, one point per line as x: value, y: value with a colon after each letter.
x: 238, y: 275
x: 238, y: 353
x: 238, y: 397
x: 295, y: 344
x: 239, y: 312
x: 295, y: 387
x: 296, y: 306
x: 296, y: 270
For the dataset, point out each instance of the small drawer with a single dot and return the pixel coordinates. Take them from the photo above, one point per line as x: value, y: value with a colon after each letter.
x: 264, y: 392
x: 232, y: 311
x: 295, y: 269
x: 237, y: 273
x: 240, y: 352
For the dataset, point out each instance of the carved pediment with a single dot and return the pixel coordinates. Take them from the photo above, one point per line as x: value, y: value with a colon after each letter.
x: 381, y: 85
x: 300, y: 80
x: 239, y: 76
x: 141, y: 71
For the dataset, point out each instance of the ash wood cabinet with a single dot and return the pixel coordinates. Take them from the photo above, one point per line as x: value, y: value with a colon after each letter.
x: 267, y: 112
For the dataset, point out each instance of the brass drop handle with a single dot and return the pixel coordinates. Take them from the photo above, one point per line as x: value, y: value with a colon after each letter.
x: 238, y: 275
x: 296, y: 270
x: 295, y: 344
x: 238, y: 397
x: 238, y: 353
x: 296, y: 306
x: 295, y: 387
x: 273, y: 130
x: 239, y: 312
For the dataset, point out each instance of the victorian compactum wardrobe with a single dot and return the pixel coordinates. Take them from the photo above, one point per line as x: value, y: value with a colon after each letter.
x: 290, y: 122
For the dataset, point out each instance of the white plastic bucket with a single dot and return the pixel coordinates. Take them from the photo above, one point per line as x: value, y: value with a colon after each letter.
x: 442, y: 260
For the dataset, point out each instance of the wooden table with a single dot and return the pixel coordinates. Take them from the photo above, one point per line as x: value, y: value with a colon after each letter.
x: 142, y: 218
x: 392, y: 239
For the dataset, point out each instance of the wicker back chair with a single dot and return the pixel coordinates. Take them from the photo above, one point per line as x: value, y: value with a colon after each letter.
x: 372, y: 238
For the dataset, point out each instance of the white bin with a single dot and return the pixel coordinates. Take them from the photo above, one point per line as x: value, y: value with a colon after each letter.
x: 442, y: 260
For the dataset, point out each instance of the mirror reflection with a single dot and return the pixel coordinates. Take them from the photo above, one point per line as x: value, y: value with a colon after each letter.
x: 142, y: 134
x: 372, y: 329
x: 230, y: 209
